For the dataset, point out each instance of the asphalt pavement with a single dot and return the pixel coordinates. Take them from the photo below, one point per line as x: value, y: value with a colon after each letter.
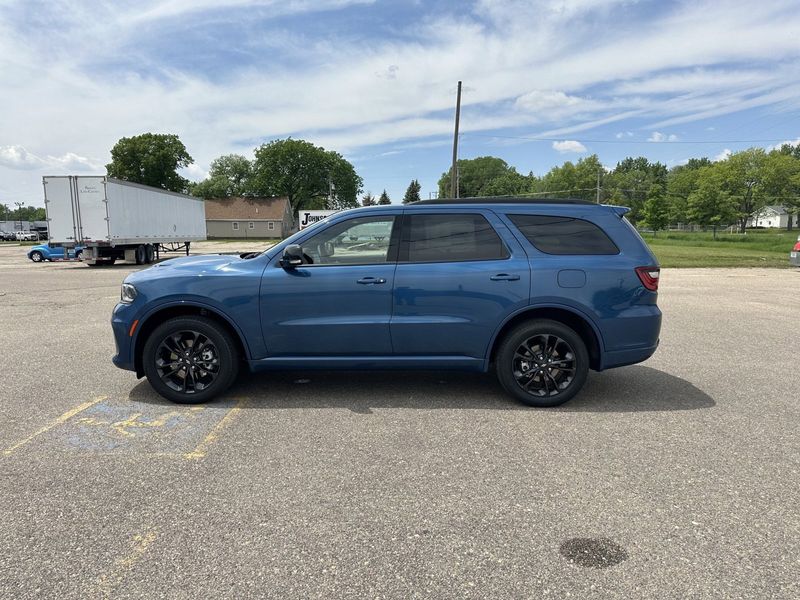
x: 677, y: 478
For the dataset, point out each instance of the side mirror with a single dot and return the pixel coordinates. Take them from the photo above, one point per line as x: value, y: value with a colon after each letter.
x: 292, y: 256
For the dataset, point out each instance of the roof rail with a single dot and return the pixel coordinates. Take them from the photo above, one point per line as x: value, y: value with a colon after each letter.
x: 504, y: 200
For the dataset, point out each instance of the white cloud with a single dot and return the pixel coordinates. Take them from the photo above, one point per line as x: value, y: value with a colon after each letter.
x: 569, y: 146
x: 72, y: 162
x: 17, y: 157
x: 524, y: 64
x: 181, y: 8
x: 723, y: 155
x: 657, y: 136
x: 623, y: 134
x: 194, y: 172
x: 538, y: 100
x: 794, y: 142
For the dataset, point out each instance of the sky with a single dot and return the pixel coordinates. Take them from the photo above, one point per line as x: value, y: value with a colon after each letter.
x: 544, y: 81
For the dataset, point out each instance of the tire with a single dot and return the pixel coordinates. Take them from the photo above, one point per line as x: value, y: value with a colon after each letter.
x: 149, y: 254
x: 37, y: 256
x: 519, y: 364
x: 141, y: 255
x: 160, y: 357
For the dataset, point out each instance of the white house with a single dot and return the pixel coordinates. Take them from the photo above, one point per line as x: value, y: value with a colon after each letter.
x: 771, y: 217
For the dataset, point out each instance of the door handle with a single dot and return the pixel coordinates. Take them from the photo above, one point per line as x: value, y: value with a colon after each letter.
x: 504, y: 277
x: 371, y: 280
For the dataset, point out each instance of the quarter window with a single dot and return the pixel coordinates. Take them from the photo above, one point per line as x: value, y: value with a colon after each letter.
x: 450, y: 237
x: 564, y: 235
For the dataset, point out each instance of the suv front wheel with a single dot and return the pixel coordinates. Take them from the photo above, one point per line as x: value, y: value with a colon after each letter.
x: 190, y: 359
x: 542, y: 363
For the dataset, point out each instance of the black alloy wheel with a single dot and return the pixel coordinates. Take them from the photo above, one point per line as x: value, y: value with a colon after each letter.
x: 542, y: 363
x: 190, y: 359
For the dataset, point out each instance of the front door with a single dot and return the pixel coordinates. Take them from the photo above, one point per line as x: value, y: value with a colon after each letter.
x: 339, y: 302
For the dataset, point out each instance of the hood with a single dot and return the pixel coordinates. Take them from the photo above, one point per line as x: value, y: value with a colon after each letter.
x: 187, y: 265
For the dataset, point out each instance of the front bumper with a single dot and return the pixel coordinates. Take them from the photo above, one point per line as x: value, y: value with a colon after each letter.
x: 121, y: 321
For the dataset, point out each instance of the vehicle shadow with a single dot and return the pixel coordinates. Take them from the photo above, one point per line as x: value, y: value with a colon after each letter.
x: 628, y: 389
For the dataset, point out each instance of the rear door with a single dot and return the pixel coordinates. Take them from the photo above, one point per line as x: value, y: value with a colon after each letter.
x: 459, y: 274
x: 59, y: 203
x: 91, y: 193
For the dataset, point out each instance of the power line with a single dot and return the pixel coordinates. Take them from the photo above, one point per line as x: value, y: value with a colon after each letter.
x: 561, y: 139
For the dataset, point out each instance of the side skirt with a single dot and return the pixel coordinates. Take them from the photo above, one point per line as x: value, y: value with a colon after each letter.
x: 367, y: 363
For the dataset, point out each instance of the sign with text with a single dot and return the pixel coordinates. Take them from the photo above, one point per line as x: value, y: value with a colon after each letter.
x: 309, y: 217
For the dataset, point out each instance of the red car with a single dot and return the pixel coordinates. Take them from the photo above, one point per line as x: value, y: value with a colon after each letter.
x: 794, y: 255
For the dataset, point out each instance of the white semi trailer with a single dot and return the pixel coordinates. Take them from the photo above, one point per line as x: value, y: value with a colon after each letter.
x: 118, y: 220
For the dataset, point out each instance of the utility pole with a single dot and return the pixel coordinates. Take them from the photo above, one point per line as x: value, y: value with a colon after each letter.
x: 19, y: 212
x: 598, y: 186
x: 454, y: 168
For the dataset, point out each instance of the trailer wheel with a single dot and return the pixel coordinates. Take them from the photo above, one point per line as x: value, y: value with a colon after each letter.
x: 149, y: 253
x: 141, y: 255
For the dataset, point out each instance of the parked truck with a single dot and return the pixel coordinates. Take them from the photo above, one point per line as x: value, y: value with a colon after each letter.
x: 118, y: 220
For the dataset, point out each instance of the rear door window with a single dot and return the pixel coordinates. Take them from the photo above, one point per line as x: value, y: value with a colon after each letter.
x: 449, y: 238
x: 564, y: 235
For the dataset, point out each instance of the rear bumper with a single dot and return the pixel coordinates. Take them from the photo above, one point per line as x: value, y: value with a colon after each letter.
x: 794, y: 260
x: 633, y: 337
x: 621, y: 358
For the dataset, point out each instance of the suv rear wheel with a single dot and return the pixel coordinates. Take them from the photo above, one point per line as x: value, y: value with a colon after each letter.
x: 190, y: 359
x: 542, y: 363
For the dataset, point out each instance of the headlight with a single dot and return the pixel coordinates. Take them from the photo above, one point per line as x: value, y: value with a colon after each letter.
x: 128, y: 293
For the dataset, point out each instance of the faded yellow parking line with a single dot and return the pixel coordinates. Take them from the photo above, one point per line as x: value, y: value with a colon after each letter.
x: 63, y: 418
x: 201, y: 449
x: 110, y: 580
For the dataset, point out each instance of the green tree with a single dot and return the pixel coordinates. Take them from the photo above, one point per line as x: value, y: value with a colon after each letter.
x: 709, y: 205
x: 230, y: 175
x: 150, y: 159
x: 630, y: 182
x: 790, y: 149
x: 368, y: 200
x: 741, y: 177
x: 681, y: 182
x: 412, y: 193
x: 384, y: 199
x: 476, y: 177
x: 657, y: 209
x: 309, y: 176
x: 510, y: 183
x: 781, y: 180
x: 578, y: 180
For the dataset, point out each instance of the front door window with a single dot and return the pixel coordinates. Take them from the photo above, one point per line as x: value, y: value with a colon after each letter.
x: 361, y: 241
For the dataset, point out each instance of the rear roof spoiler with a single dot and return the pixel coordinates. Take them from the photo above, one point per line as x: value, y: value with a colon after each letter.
x: 620, y: 211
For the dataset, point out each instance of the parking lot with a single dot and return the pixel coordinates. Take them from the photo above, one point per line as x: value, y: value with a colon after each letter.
x: 677, y: 478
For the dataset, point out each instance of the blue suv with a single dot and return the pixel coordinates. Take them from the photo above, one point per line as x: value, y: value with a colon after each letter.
x: 541, y: 291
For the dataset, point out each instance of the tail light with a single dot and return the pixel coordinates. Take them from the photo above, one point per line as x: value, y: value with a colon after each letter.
x: 649, y: 277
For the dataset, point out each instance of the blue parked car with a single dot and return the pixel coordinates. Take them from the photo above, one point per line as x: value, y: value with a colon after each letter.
x: 46, y: 252
x: 538, y: 291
